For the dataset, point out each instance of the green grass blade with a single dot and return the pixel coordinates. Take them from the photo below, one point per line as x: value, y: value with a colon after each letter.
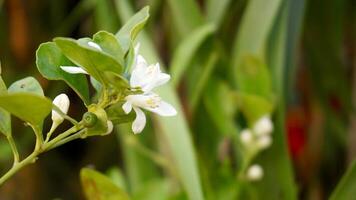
x: 346, y: 189
x: 216, y: 9
x: 174, y: 129
x: 186, y: 15
x: 187, y: 50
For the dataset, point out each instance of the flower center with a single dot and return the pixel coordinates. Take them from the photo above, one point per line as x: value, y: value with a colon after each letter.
x: 153, y: 101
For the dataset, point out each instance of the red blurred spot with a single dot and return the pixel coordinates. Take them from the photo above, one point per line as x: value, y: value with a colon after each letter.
x: 296, y: 130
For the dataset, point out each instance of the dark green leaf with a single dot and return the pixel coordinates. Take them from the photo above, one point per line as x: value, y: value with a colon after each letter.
x: 97, y: 186
x: 49, y: 59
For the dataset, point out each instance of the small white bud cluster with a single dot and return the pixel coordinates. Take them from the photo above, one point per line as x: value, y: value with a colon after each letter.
x: 260, y: 136
x: 255, y: 140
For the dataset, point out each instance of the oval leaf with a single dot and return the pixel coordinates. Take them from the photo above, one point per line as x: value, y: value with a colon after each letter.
x: 96, y: 186
x: 49, y: 58
x: 132, y: 27
x: 94, y: 61
x: 109, y: 43
x: 28, y: 84
x: 26, y: 106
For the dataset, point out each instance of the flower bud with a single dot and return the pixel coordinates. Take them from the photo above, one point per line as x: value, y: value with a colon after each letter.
x: 263, y: 126
x: 246, y: 137
x: 62, y: 102
x: 264, y: 141
x: 254, y: 173
x: 89, y: 119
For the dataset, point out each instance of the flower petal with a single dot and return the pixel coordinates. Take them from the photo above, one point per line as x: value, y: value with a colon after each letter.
x: 127, y: 107
x: 73, y: 70
x: 95, y: 46
x: 164, y: 109
x: 139, y: 122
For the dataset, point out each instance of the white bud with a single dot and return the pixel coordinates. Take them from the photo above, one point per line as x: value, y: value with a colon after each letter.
x: 263, y: 126
x: 94, y: 45
x: 254, y: 173
x: 62, y: 102
x: 246, y: 137
x: 264, y: 141
x: 110, y: 127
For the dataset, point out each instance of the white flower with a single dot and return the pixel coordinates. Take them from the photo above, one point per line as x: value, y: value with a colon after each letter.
x: 254, y: 173
x: 146, y: 77
x: 62, y: 102
x: 246, y: 137
x: 263, y: 126
x: 264, y: 141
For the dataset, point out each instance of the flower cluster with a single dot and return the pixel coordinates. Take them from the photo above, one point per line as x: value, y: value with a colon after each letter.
x: 144, y: 77
x: 254, y: 140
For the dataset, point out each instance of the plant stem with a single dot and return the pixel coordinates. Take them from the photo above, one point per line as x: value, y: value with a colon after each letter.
x: 40, y: 148
x: 14, y: 149
x: 17, y: 166
x: 67, y: 139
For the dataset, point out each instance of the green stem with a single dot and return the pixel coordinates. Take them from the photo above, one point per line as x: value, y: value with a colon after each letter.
x: 14, y: 149
x: 67, y: 139
x: 40, y: 148
x: 17, y: 166
x: 65, y: 134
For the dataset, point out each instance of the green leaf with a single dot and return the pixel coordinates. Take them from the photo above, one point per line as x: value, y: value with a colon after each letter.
x: 28, y: 84
x: 5, y: 118
x: 253, y: 77
x: 187, y: 49
x: 346, y: 188
x: 109, y: 44
x: 49, y: 58
x: 101, y: 126
x: 127, y: 34
x: 253, y: 106
x: 26, y: 106
x: 92, y: 60
x: 97, y: 186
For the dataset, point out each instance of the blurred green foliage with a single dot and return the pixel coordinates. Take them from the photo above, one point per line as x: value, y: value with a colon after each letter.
x: 231, y: 62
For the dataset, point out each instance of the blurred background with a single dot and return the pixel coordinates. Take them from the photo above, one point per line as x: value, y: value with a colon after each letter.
x: 309, y: 48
